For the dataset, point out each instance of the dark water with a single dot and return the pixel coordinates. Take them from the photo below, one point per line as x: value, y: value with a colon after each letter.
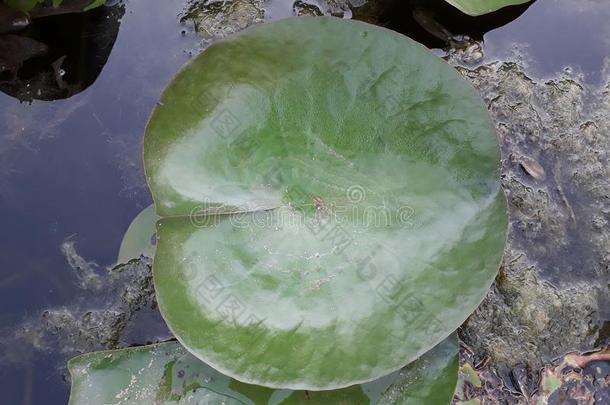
x: 559, y: 34
x: 70, y: 170
x: 551, y: 35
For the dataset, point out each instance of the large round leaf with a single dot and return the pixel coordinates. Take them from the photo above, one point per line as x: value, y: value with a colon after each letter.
x: 166, y: 373
x: 480, y: 7
x: 330, y: 203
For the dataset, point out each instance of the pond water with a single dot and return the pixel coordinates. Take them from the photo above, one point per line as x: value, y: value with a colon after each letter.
x: 537, y: 30
x: 71, y: 177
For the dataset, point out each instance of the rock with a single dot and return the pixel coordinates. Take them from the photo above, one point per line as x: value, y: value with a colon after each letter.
x: 215, y: 19
x: 218, y: 18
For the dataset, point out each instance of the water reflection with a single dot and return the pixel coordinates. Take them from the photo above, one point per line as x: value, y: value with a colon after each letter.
x: 57, y: 53
x: 559, y: 34
x: 435, y: 23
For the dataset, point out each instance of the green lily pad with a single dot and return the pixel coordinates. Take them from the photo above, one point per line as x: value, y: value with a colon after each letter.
x: 330, y: 201
x: 430, y: 380
x: 166, y: 373
x: 480, y: 7
x: 139, y: 239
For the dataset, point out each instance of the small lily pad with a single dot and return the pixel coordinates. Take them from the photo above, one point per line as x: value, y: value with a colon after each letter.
x: 330, y: 203
x: 139, y: 239
x: 166, y: 373
x: 430, y: 380
x: 480, y: 7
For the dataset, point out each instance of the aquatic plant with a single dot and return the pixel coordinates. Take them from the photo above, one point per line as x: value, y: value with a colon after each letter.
x: 330, y: 204
x: 167, y: 373
x: 28, y: 5
x: 480, y: 7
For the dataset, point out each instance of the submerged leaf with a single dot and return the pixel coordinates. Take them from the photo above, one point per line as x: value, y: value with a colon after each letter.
x: 69, y: 6
x: 23, y: 5
x: 166, y: 373
x: 330, y: 201
x: 94, y: 4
